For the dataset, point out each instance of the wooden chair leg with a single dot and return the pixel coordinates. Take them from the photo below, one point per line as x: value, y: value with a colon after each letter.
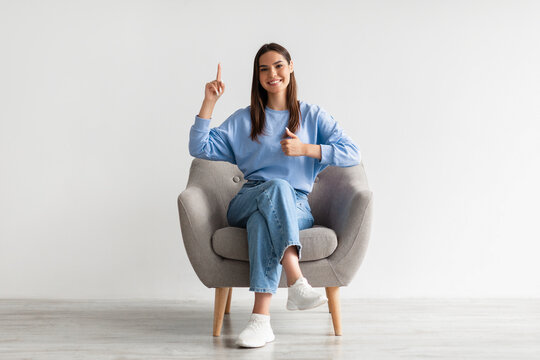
x: 332, y: 293
x: 220, y: 302
x: 228, y: 307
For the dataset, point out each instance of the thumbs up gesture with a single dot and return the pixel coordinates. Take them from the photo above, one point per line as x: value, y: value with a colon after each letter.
x: 214, y: 89
x: 293, y: 146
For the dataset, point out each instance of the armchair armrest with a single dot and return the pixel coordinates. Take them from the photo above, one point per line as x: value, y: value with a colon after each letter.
x: 347, y: 210
x: 198, y: 224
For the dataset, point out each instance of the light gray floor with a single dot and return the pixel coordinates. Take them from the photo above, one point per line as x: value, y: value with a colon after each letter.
x: 373, y: 329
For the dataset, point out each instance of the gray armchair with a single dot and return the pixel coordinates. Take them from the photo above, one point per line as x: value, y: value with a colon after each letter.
x: 332, y: 250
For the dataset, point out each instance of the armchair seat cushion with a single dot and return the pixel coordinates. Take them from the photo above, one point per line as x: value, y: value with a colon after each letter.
x: 318, y: 242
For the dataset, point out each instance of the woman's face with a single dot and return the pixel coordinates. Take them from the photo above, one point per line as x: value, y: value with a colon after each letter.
x: 274, y: 72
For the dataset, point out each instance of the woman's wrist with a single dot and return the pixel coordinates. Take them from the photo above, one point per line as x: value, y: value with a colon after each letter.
x: 207, y: 108
x: 313, y: 151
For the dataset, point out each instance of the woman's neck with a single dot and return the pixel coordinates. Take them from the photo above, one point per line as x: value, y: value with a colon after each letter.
x: 277, y: 101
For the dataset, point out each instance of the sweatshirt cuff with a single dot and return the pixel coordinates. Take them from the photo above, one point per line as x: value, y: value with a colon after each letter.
x: 201, y: 124
x: 327, y: 154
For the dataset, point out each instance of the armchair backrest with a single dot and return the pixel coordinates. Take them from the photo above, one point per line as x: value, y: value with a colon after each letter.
x: 331, y: 182
x: 221, y: 181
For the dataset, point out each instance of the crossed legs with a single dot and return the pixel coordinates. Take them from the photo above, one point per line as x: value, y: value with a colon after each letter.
x: 293, y: 273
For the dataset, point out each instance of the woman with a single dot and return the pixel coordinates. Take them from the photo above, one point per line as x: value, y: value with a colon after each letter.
x: 280, y: 144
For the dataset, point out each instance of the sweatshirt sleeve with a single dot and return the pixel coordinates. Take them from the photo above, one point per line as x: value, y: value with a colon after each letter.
x: 337, y: 149
x: 211, y: 144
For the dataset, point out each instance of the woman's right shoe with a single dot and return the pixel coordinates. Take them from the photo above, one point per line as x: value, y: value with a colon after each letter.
x: 257, y: 333
x: 303, y: 297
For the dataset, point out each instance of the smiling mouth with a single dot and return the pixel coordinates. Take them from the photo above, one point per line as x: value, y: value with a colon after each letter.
x: 274, y: 82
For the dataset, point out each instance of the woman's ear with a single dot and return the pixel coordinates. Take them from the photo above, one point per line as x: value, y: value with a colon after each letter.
x: 292, y: 66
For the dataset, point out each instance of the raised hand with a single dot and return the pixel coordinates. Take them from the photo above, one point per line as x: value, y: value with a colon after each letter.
x: 214, y: 89
x: 292, y: 147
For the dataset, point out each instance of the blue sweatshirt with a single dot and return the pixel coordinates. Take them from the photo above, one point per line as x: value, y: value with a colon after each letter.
x: 265, y: 160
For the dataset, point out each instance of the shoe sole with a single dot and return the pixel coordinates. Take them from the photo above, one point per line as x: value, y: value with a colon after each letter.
x: 291, y: 306
x: 242, y: 344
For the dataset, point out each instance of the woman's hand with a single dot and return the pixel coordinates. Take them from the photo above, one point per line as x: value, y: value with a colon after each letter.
x: 212, y: 92
x: 214, y: 89
x: 292, y: 147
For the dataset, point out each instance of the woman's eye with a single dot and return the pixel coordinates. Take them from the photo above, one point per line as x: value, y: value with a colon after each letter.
x: 279, y: 66
x: 263, y: 69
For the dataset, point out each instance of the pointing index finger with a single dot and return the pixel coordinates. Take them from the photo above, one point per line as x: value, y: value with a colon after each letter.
x: 218, y: 76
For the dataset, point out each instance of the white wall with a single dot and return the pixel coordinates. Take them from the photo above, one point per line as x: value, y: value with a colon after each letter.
x: 97, y: 99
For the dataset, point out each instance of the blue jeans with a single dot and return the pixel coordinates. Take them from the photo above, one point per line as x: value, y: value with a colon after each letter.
x: 273, y: 213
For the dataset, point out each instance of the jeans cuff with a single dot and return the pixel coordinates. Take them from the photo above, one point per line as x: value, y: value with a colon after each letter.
x: 262, y: 290
x: 298, y: 249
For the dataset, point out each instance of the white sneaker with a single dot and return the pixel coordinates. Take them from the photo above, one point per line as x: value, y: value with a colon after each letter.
x: 257, y: 333
x: 303, y: 297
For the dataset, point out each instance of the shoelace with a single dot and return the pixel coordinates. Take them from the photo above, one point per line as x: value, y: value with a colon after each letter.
x: 255, y: 324
x: 305, y: 289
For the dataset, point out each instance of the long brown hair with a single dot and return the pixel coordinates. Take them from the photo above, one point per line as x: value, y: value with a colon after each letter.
x: 259, y: 96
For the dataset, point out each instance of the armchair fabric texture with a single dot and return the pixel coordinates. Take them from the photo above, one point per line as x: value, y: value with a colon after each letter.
x: 332, y: 250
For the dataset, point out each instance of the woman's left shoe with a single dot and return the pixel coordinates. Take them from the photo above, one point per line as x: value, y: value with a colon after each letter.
x: 303, y: 297
x: 257, y: 333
